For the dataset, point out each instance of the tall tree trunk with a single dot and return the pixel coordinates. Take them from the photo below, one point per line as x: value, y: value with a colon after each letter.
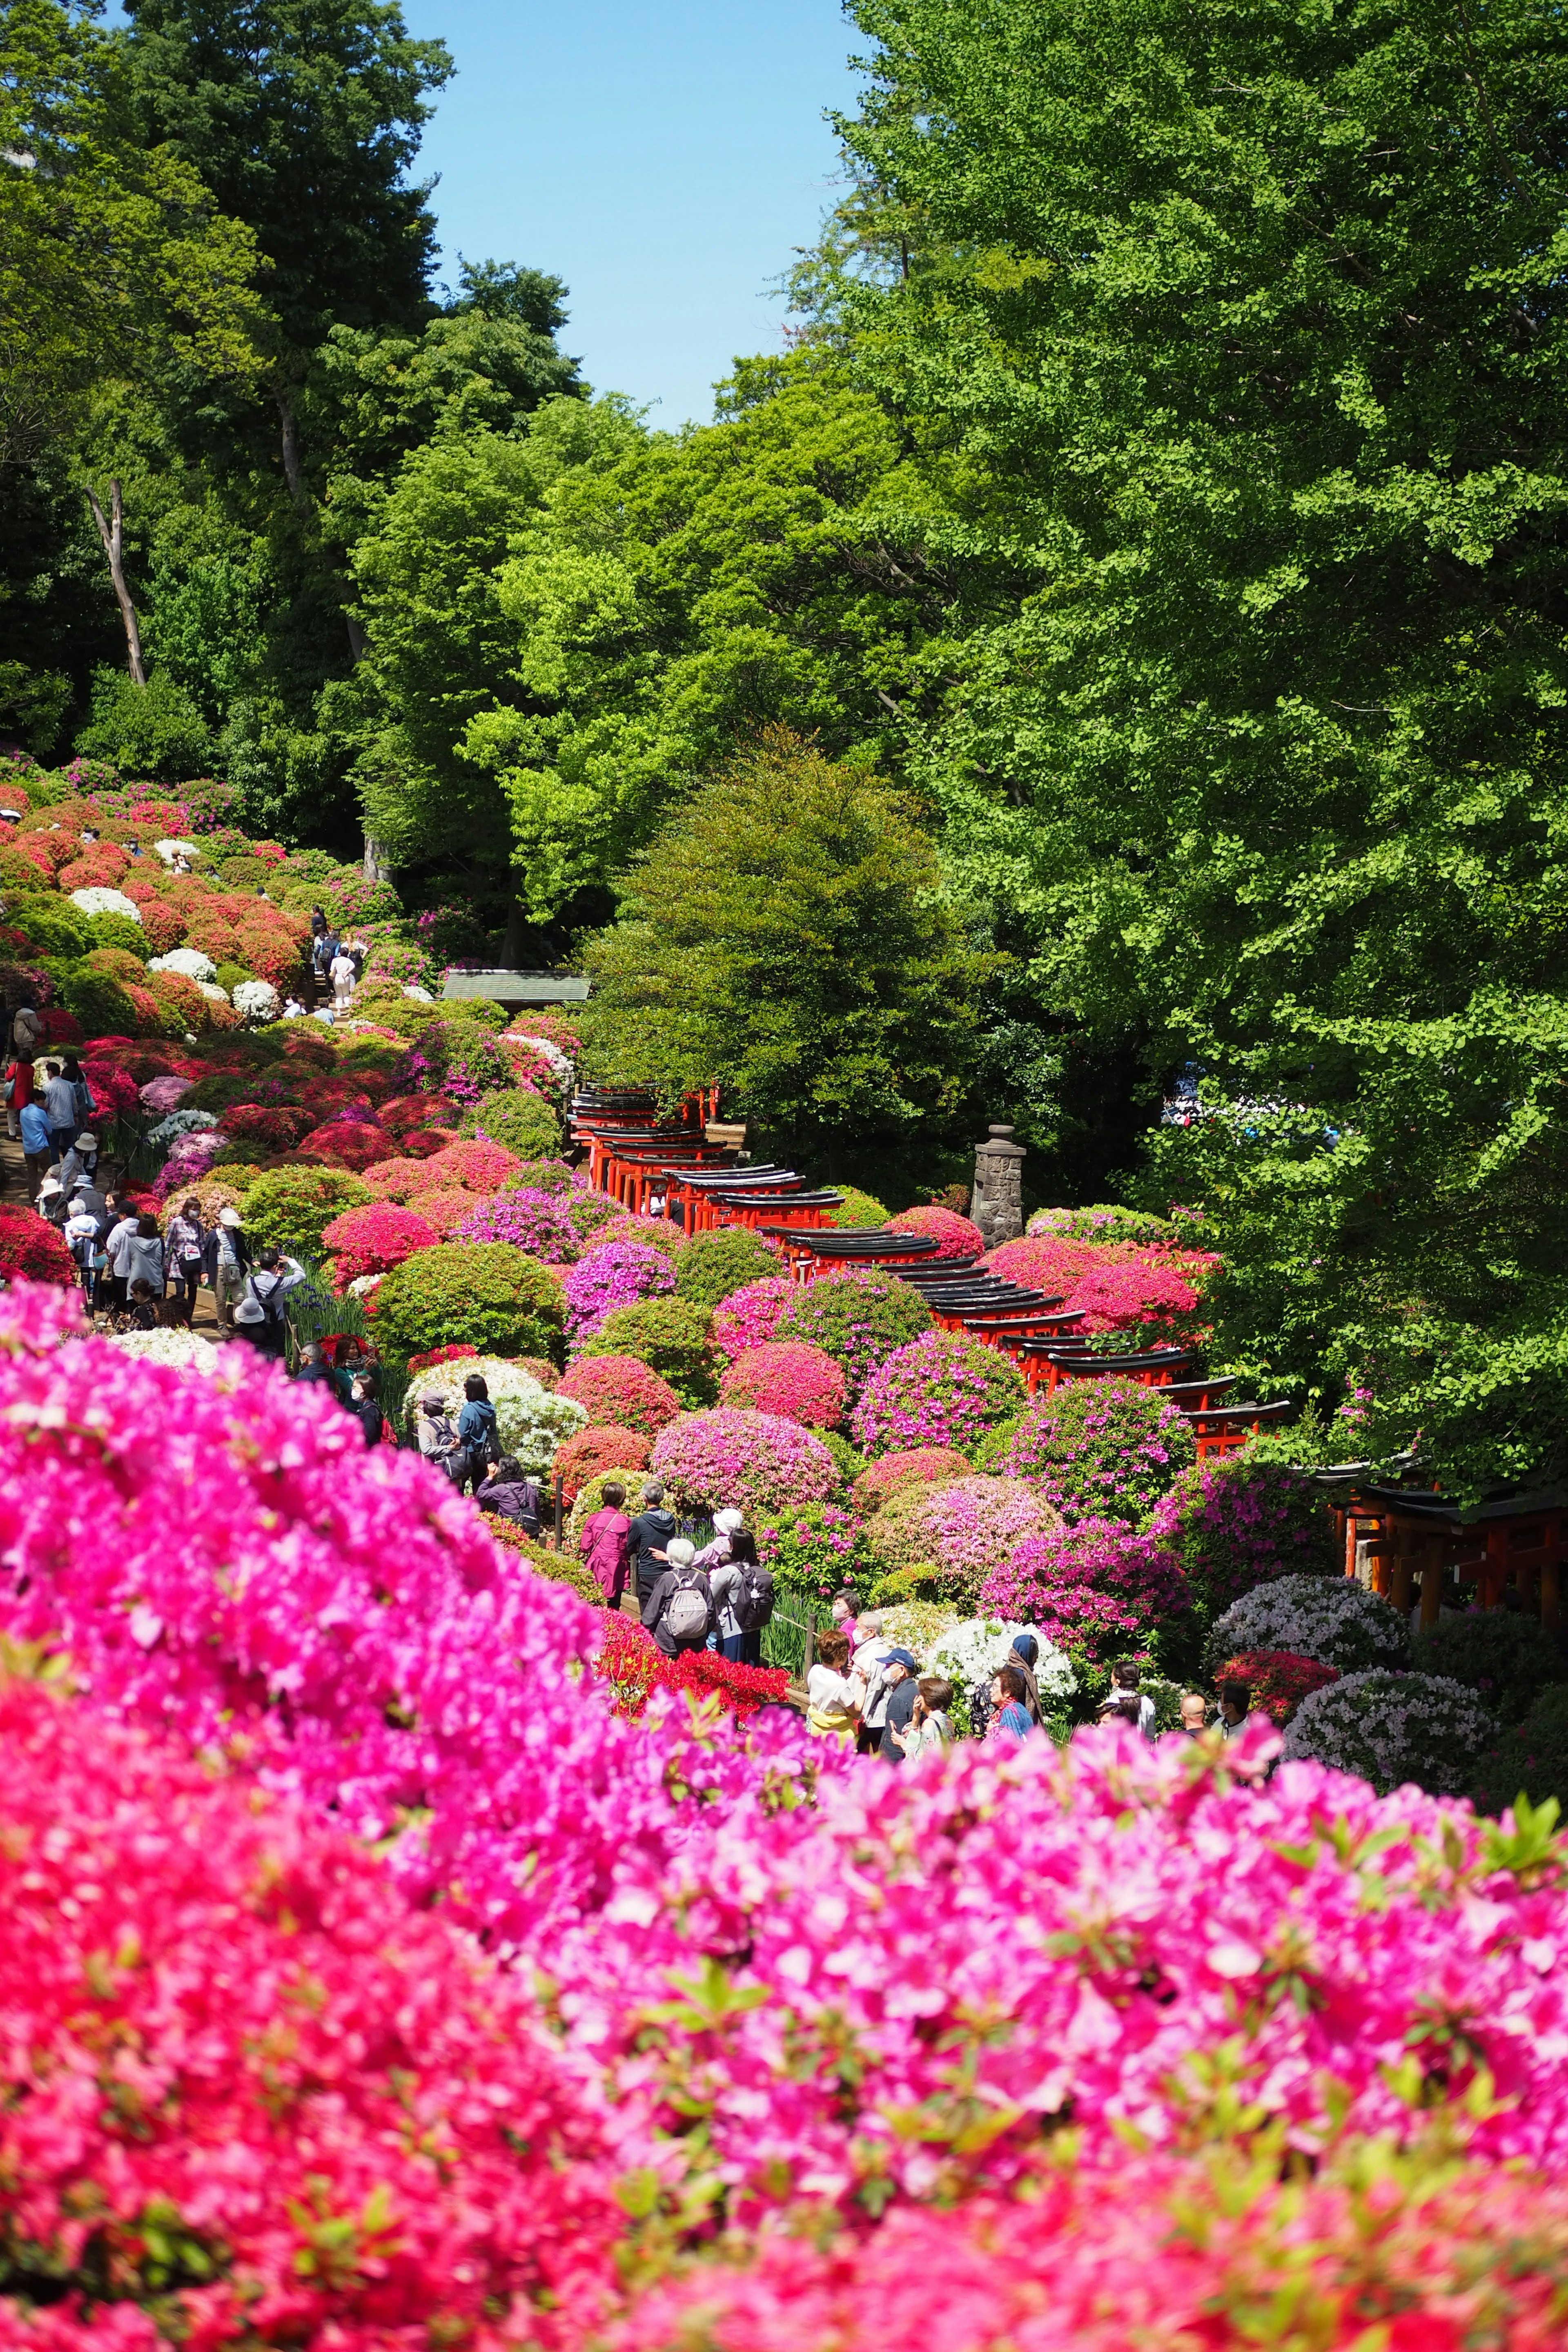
x: 377, y: 860
x: 356, y: 637
x: 112, y: 534
x: 293, y: 472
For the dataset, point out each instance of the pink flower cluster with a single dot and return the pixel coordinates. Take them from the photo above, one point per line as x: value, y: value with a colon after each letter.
x: 967, y: 1528
x: 753, y: 1461
x: 937, y: 1389
x: 616, y: 1274
x: 373, y: 1240
x: 954, y: 1236
x: 622, y: 1390
x: 1120, y: 1297
x: 536, y: 1223
x: 750, y: 1316
x: 1096, y: 1589
x: 788, y: 1377
x: 1048, y: 1261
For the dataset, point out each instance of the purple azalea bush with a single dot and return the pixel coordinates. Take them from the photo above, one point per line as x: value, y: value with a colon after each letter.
x: 617, y: 1273
x: 531, y: 1221
x: 1097, y: 1588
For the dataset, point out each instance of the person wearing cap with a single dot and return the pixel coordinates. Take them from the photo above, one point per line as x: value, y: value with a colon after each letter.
x: 226, y: 1262
x: 34, y: 1122
x: 86, y: 1149
x: 80, y: 1233
x: 51, y: 1200
x: 435, y: 1433
x: 726, y: 1524
x: 900, y: 1691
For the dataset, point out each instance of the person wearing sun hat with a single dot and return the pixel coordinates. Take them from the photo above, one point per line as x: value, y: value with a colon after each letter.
x: 226, y: 1264
x: 86, y: 1149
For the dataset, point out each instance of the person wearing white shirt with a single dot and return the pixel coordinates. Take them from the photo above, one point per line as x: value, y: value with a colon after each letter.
x: 833, y: 1696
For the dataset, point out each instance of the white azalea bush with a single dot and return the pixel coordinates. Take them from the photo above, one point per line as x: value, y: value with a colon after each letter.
x: 970, y: 1653
x: 171, y: 850
x: 181, y: 1122
x: 213, y: 992
x: 256, y: 1001
x: 532, y: 1420
x: 100, y: 901
x: 182, y: 1351
x: 1329, y: 1618
x: 189, y: 963
x: 1393, y: 1729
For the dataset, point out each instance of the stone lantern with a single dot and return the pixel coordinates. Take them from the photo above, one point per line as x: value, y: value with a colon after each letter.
x: 997, y: 1207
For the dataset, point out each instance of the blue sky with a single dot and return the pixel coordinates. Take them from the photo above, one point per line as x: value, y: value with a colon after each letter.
x: 664, y: 159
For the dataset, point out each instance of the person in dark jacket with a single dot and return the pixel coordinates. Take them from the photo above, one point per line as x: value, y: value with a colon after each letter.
x: 225, y: 1263
x: 312, y: 1369
x: 365, y: 1405
x: 506, y: 1491
x: 648, y: 1537
x: 478, y: 1429
x: 899, y: 1675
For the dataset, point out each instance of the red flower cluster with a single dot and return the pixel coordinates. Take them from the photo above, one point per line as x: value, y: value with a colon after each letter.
x: 596, y: 1451
x: 1278, y: 1679
x: 31, y: 1248
x: 954, y: 1235
x: 788, y: 1377
x: 348, y: 1144
x: 373, y: 1240
x: 451, y: 1355
x: 622, y: 1390
x: 633, y: 1661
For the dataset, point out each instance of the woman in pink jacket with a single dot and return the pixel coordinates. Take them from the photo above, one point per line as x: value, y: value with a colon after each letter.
x: 605, y: 1551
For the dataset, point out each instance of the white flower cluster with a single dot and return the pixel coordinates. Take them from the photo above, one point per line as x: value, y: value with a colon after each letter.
x: 970, y: 1653
x: 532, y: 1420
x: 178, y: 1123
x: 1329, y: 1618
x: 213, y: 992
x: 1393, y: 1729
x: 99, y: 901
x: 418, y: 995
x: 256, y: 1001
x: 189, y: 963
x: 170, y: 850
x: 548, y: 1053
x: 182, y: 1351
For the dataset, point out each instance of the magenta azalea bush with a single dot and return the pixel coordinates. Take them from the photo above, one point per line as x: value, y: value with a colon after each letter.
x: 1097, y: 1588
x: 954, y: 1236
x: 1236, y: 1524
x: 616, y: 1273
x: 939, y: 1389
x: 534, y: 1222
x: 750, y: 1316
x: 753, y: 1462
x: 785, y: 1376
x: 858, y: 1315
x: 1103, y: 1448
x: 965, y: 1529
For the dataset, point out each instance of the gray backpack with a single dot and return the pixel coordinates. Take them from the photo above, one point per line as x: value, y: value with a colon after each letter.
x: 687, y: 1613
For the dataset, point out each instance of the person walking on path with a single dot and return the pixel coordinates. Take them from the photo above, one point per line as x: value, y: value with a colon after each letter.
x: 144, y: 1254
x: 341, y: 972
x: 59, y: 1108
x: 606, y: 1550
x: 678, y: 1611
x: 743, y: 1598
x: 478, y: 1431
x: 184, y: 1243
x: 18, y: 1082
x: 226, y: 1262
x: 36, y: 1150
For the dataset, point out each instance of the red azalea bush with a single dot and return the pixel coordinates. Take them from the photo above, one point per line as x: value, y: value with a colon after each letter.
x: 954, y: 1236
x: 422, y: 1142
x: 479, y: 1166
x: 594, y: 1452
x: 277, y: 1127
x: 112, y: 1089
x: 633, y: 1661
x: 1141, y: 1291
x: 400, y: 1176
x: 374, y: 1240
x: 163, y: 925
x: 1278, y: 1679
x: 622, y: 1390
x: 348, y: 1144
x: 182, y: 1006
x: 801, y: 1382
x: 225, y: 2028
x: 33, y: 1249
x: 449, y: 1355
x: 63, y: 1028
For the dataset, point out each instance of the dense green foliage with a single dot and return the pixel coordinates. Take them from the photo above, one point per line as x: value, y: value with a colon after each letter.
x: 668, y: 1335
x: 713, y: 1264
x: 485, y: 1292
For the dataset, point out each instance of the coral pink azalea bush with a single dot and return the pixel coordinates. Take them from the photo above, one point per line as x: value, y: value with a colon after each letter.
x: 954, y: 1236
x: 594, y: 1452
x: 965, y: 1529
x: 1048, y: 1261
x: 921, y: 1465
x: 224, y: 2028
x: 374, y: 1240
x: 788, y: 1377
x: 621, y: 1388
x: 1121, y: 1297
x: 753, y: 1461
x: 750, y: 1316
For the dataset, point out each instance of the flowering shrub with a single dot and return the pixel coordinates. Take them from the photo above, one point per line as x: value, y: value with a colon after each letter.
x: 750, y: 1316
x: 1277, y: 1681
x: 1395, y: 1728
x: 1122, y: 1297
x: 516, y: 1117
x: 785, y: 1377
x: 1098, y: 1590
x: 711, y: 1266
x: 480, y: 1167
x: 648, y: 1233
x: 531, y: 1420
x: 1329, y: 1618
x: 612, y: 1275
x: 292, y: 1207
x: 455, y: 1353
x: 256, y: 1001
x: 1105, y: 1221
x: 157, y: 1946
x: 1101, y: 1447
x: 857, y: 1209
x: 971, y: 1651
x: 918, y: 1626
x: 621, y: 1390
x: 164, y: 1095
x: 373, y: 1241
x: 444, y: 1207
x: 589, y: 1215
x: 814, y: 1549
x: 33, y: 1249
x: 508, y: 1305
x: 106, y: 902
x: 922, y: 1466
x: 534, y: 1222
x: 1047, y: 1262
x: 635, y: 1666
x: 598, y: 1452
x: 275, y: 1126
x: 1236, y: 1523
x: 399, y: 1178
x: 937, y: 1389
x: 113, y: 1091
x: 1507, y: 1660
x: 858, y: 1315
x: 754, y: 1461
x: 1530, y: 1757
x: 349, y: 1143
x: 178, y: 1123
x: 964, y: 1529
x: 188, y: 960
x: 668, y: 1334
x: 954, y: 1236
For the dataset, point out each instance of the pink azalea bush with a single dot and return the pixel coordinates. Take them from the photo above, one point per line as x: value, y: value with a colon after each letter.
x: 1096, y: 1589
x: 373, y: 1240
x: 1102, y: 1448
x: 1121, y: 1297
x: 534, y: 1222
x: 750, y: 1316
x: 937, y: 1389
x: 786, y: 1376
x: 164, y: 1095
x: 623, y: 1389
x: 965, y: 1529
x: 1047, y: 1262
x: 856, y: 1314
x: 612, y: 1275
x: 921, y: 1465
x: 753, y: 1461
x: 954, y: 1236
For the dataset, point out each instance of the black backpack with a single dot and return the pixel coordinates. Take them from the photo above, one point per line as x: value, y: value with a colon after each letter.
x: 753, y: 1601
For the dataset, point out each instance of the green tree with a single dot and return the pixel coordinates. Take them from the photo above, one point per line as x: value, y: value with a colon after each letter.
x: 1233, y: 344
x: 785, y: 934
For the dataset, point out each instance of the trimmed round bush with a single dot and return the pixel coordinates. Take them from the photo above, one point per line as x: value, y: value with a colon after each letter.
x: 754, y: 1461
x: 1277, y: 1681
x: 534, y: 1223
x: 785, y: 1376
x: 355, y: 1144
x: 964, y: 1529
x: 521, y: 1120
x: 621, y: 1390
x: 856, y: 1210
x: 648, y: 1233
x: 858, y: 1315
x: 1329, y: 1618
x: 1509, y: 1660
x: 534, y: 1175
x: 1048, y: 1261
x: 31, y: 1249
x: 1103, y: 1448
x: 1392, y: 1729
x: 373, y: 1240
x: 122, y: 931
x: 508, y: 1305
x: 814, y: 1549
x: 1098, y: 1590
x: 954, y: 1236
x: 750, y: 1318
x: 445, y: 1206
x: 1236, y: 1524
x: 937, y: 1389
x: 104, y: 1004
x: 589, y: 1215
x: 668, y: 1334
x: 921, y: 1465
x: 598, y: 1452
x: 612, y: 1275
x: 292, y: 1207
x: 711, y: 1266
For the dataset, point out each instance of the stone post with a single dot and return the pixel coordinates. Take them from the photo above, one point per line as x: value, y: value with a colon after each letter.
x: 997, y: 1207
